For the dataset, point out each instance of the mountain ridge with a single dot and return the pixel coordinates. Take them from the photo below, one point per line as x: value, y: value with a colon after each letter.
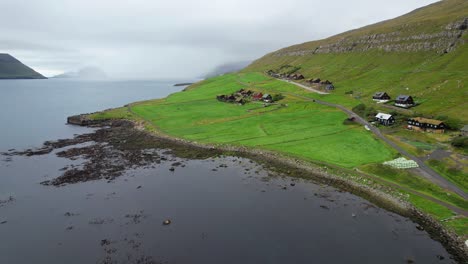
x: 422, y: 53
x: 12, y: 68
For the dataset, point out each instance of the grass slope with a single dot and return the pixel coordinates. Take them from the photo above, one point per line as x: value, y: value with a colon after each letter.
x: 11, y: 68
x: 437, y: 80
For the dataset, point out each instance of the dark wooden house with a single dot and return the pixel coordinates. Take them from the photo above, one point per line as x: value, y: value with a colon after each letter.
x: 385, y: 119
x: 404, y: 101
x: 426, y: 124
x: 381, y: 97
x: 330, y: 87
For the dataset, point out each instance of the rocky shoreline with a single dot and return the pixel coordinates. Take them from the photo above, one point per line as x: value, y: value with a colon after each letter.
x: 119, y: 145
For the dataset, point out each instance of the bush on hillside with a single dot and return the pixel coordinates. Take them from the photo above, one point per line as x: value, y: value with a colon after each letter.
x: 277, y: 97
x: 364, y: 111
x: 460, y: 142
x: 451, y: 122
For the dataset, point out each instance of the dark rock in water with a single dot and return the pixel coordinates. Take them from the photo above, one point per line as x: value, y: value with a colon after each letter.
x: 172, y: 169
x: 3, y: 222
x: 167, y: 222
x: 69, y: 214
x: 284, y: 188
x: 325, y: 207
x: 420, y: 228
x: 82, y: 120
x: 439, y: 257
x: 139, y: 187
x: 105, y: 242
x: 70, y: 228
x: 293, y: 184
x: 175, y: 164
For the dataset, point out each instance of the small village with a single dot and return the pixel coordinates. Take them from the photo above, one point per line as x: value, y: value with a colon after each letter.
x: 385, y: 119
x: 242, y: 97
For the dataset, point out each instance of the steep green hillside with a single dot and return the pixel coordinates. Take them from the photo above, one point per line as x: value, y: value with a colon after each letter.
x: 11, y: 68
x: 423, y: 53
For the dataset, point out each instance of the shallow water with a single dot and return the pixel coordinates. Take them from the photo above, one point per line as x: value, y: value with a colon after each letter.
x: 220, y: 214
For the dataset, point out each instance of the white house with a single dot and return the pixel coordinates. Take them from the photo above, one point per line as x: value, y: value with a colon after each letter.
x: 385, y: 119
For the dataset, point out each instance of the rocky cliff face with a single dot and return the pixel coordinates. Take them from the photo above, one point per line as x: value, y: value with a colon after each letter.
x: 445, y: 40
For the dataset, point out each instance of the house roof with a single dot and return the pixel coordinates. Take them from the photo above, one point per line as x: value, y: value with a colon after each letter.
x: 266, y: 95
x: 383, y: 116
x: 427, y: 121
x: 465, y: 128
x: 402, y: 97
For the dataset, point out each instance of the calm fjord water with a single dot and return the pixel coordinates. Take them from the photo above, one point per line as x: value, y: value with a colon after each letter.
x: 223, y: 210
x: 35, y: 110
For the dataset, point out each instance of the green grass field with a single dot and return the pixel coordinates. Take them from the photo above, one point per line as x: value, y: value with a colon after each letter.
x: 302, y: 128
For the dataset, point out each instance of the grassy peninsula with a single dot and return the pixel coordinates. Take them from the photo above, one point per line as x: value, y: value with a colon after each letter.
x: 295, y: 127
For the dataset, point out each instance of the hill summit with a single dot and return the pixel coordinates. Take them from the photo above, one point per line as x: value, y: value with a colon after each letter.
x: 11, y: 68
x: 423, y: 54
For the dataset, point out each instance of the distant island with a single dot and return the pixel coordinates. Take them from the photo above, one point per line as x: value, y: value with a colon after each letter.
x: 183, y: 84
x: 11, y: 68
x: 87, y: 73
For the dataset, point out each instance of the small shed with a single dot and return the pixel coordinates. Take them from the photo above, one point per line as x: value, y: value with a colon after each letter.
x: 426, y: 124
x: 464, y: 131
x: 381, y: 97
x: 404, y: 101
x: 316, y: 80
x: 385, y: 119
x: 257, y: 96
x: 330, y: 87
x: 267, y: 98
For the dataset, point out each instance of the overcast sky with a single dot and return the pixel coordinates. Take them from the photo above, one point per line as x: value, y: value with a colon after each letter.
x: 174, y: 38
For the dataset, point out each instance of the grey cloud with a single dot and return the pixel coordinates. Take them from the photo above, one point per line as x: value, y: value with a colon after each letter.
x: 152, y: 39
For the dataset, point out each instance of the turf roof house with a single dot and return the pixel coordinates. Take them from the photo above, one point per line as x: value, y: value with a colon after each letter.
x: 296, y: 76
x: 381, y: 97
x: 267, y: 98
x: 404, y: 101
x: 314, y: 80
x: 426, y: 124
x: 385, y: 119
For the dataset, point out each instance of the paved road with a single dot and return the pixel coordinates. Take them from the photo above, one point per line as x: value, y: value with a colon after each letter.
x: 423, y: 169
